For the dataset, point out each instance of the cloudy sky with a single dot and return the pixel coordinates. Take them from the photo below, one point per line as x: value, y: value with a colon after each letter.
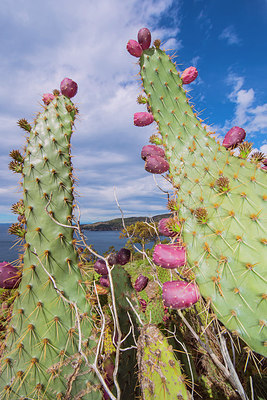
x: 43, y: 42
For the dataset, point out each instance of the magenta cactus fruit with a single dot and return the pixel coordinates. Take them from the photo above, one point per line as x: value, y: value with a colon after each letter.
x: 141, y: 283
x: 104, y: 281
x: 169, y: 256
x: 47, y: 98
x: 189, y: 75
x: 233, y: 137
x: 9, y: 276
x: 68, y: 87
x: 134, y: 48
x: 123, y: 256
x: 180, y: 294
x: 100, y: 267
x: 156, y: 165
x: 143, y: 118
x: 143, y: 304
x: 152, y: 150
x: 163, y: 228
x: 144, y: 38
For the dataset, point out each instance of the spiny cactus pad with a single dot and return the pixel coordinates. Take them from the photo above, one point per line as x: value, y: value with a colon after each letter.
x: 160, y: 373
x: 42, y: 357
x: 227, y: 249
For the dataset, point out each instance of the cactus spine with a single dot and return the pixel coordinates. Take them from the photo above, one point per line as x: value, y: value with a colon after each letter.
x: 51, y: 324
x: 222, y: 201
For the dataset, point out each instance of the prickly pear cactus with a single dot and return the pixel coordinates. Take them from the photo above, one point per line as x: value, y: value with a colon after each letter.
x: 49, y: 334
x: 160, y: 373
x: 221, y: 201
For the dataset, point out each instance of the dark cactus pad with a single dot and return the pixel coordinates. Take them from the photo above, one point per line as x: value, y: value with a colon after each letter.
x: 156, y: 165
x: 134, y: 48
x: 144, y: 38
x: 123, y: 256
x: 143, y: 118
x: 169, y: 256
x: 141, y: 283
x: 189, y: 75
x: 100, y: 267
x: 233, y: 137
x: 9, y: 276
x: 152, y: 150
x: 68, y: 87
x: 180, y: 294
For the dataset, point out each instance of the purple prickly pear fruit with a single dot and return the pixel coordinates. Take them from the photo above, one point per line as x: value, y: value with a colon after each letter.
x: 134, y: 48
x: 9, y: 276
x: 47, y: 98
x: 169, y: 256
x: 123, y: 256
x: 264, y: 162
x: 163, y: 228
x: 233, y: 137
x: 100, y: 267
x: 180, y: 294
x: 189, y: 75
x: 112, y: 259
x: 156, y: 165
x: 152, y: 150
x: 264, y: 167
x: 143, y: 118
x: 144, y: 38
x: 68, y: 87
x: 104, y: 281
x: 143, y: 304
x: 140, y: 283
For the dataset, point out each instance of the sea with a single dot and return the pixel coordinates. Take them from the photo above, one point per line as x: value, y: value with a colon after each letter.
x: 100, y: 240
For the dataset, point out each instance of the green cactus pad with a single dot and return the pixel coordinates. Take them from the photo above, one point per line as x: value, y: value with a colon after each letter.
x: 42, y: 358
x: 160, y: 372
x: 223, y: 202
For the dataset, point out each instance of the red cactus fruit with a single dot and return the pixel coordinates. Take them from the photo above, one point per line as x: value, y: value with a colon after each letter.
x: 233, y: 137
x: 141, y: 283
x: 112, y: 259
x: 100, y: 267
x: 180, y: 294
x: 169, y: 256
x: 47, y: 98
x: 143, y: 304
x: 143, y: 118
x: 163, y: 228
x: 152, y: 150
x: 9, y: 276
x: 156, y: 165
x: 104, y: 281
x: 123, y: 256
x: 134, y: 48
x: 189, y: 75
x: 68, y: 87
x: 144, y: 38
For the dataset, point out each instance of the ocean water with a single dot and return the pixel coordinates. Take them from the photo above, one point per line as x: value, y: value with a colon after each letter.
x: 101, y: 241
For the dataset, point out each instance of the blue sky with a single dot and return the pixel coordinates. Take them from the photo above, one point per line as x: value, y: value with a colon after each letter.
x: 44, y: 42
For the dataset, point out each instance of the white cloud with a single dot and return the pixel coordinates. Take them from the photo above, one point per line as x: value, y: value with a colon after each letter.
x: 50, y: 40
x: 251, y: 117
x: 230, y: 35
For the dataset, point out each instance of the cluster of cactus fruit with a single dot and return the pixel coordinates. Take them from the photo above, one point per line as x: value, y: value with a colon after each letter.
x: 81, y: 332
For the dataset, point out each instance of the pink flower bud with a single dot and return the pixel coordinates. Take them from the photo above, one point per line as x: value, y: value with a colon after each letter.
x: 189, y: 75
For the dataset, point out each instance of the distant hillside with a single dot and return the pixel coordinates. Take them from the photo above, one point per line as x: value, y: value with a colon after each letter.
x: 116, y: 224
